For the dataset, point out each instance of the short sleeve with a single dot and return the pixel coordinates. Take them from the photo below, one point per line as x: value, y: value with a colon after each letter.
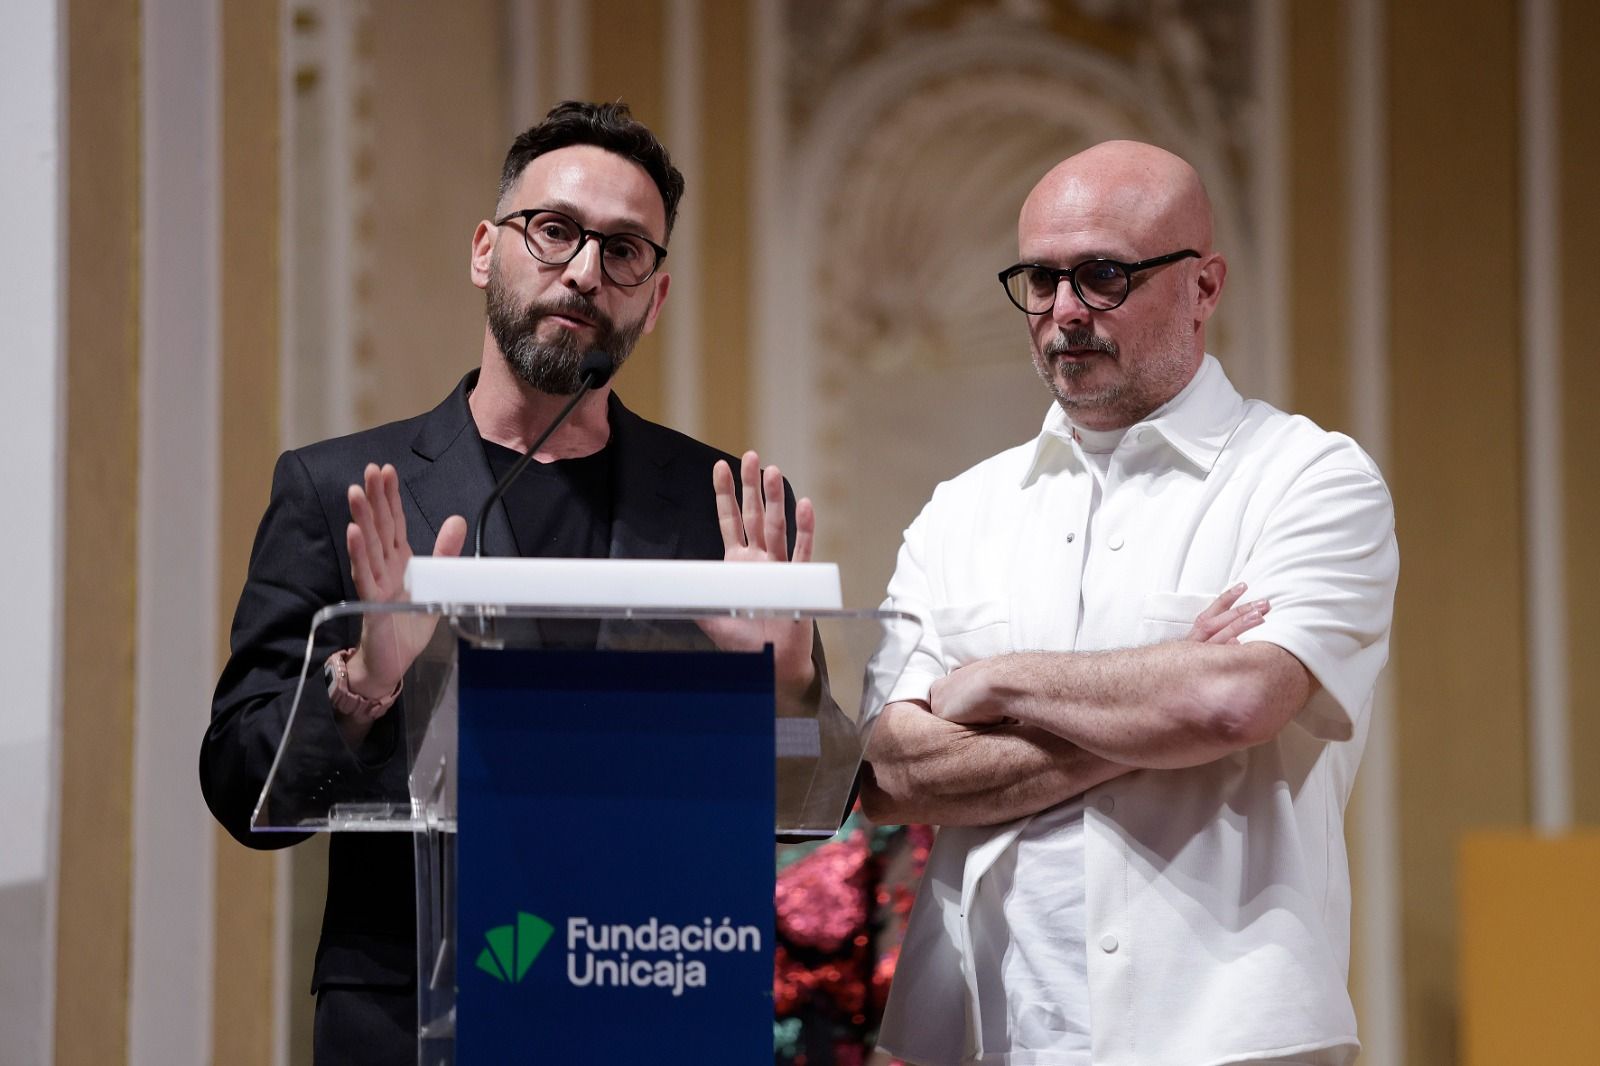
x: 909, y: 592
x: 1328, y: 563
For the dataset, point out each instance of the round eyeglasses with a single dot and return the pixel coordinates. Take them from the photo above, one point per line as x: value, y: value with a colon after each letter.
x: 556, y: 239
x: 1102, y: 284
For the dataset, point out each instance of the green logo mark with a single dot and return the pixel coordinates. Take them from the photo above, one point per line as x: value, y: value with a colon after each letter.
x: 512, y: 948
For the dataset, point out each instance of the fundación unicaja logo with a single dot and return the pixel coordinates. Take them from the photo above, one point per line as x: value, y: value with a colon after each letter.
x: 512, y: 948
x: 649, y: 954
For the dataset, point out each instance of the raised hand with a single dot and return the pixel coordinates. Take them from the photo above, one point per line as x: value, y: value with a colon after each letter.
x: 756, y: 531
x: 1226, y: 618
x: 379, y: 551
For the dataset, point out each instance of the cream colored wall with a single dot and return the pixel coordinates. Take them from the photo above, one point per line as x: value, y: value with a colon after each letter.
x: 247, y: 993
x: 102, y: 307
x: 432, y: 112
x: 435, y: 107
x: 1579, y: 271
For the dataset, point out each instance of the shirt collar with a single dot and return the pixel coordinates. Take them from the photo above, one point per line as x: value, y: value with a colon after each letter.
x: 1196, y: 424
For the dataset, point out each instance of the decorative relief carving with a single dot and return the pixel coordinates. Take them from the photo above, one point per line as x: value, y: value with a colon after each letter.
x: 916, y: 129
x: 1197, y: 54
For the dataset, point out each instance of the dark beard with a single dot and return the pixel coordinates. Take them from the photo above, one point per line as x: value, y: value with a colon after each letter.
x: 553, y: 367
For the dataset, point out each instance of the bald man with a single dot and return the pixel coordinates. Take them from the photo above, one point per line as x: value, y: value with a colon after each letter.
x: 1152, y: 635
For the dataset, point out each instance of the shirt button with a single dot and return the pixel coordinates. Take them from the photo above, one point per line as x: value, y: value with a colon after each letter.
x: 1071, y: 537
x: 1107, y: 804
x: 1141, y: 436
x: 1115, y: 543
x: 1108, y: 943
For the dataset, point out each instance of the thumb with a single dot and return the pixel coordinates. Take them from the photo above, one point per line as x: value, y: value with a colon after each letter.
x: 452, y: 535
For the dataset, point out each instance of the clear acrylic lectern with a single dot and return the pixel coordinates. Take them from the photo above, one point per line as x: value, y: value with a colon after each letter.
x: 405, y: 775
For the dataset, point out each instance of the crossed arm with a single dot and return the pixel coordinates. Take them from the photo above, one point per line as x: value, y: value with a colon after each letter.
x: 1013, y: 735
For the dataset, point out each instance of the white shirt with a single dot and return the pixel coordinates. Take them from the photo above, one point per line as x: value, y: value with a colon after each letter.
x: 1027, y: 943
x: 1216, y: 898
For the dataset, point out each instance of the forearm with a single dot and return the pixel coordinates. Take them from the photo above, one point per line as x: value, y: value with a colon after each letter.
x: 235, y: 758
x: 1160, y: 706
x: 925, y: 770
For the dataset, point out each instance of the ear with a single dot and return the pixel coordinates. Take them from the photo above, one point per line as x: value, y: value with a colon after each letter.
x: 657, y: 298
x: 1208, y: 283
x: 483, y: 239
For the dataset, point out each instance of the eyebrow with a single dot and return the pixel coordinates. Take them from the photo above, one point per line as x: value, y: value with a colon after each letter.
x: 627, y: 223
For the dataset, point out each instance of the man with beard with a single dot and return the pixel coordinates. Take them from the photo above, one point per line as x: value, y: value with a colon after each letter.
x: 1141, y: 857
x: 571, y: 263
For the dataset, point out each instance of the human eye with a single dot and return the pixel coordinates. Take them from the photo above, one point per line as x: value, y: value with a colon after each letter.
x: 553, y: 229
x: 1105, y: 277
x: 1099, y: 272
x: 625, y: 249
x: 1041, y: 280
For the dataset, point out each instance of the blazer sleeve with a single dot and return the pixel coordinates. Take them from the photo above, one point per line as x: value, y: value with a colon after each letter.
x: 295, y: 569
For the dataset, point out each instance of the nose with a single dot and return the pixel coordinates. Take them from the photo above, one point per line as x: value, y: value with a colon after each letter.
x: 1068, y: 309
x: 583, y: 270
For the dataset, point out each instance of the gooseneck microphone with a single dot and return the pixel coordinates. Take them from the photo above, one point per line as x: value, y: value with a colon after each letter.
x: 594, y: 370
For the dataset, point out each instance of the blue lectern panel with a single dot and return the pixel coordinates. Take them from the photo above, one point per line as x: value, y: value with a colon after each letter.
x: 615, y: 857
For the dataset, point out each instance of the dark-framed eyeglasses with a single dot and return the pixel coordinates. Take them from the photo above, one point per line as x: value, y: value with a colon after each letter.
x: 1102, y: 284
x: 555, y: 239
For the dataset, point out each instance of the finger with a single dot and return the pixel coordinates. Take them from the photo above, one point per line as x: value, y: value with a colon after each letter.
x: 775, y: 533
x: 750, y: 476
x: 727, y: 505
x: 805, y: 528
x: 377, y: 517
x: 1221, y: 604
x: 383, y: 508
x: 397, y: 513
x: 452, y: 536
x: 355, y: 542
x: 1206, y: 627
x: 361, y: 515
x: 1229, y: 634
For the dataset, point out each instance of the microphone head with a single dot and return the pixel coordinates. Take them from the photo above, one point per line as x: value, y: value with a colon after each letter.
x: 594, y: 369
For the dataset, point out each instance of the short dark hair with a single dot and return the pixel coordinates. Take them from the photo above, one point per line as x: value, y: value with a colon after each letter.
x: 609, y: 126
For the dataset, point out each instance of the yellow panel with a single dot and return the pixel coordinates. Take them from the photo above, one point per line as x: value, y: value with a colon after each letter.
x: 627, y: 62
x: 242, y: 952
x: 1530, y: 935
x: 1455, y: 469
x: 1579, y: 227
x: 723, y: 192
x: 102, y: 471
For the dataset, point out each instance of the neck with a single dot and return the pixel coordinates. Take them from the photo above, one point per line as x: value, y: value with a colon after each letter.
x: 512, y: 413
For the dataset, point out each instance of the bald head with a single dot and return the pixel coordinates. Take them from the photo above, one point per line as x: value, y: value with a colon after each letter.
x: 1113, y: 357
x: 1142, y: 192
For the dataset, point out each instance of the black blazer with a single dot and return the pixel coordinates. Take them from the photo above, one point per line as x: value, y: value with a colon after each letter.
x: 663, y: 508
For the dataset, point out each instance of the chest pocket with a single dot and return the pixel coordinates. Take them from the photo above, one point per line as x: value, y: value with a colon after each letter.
x: 1169, y: 615
x: 971, y: 631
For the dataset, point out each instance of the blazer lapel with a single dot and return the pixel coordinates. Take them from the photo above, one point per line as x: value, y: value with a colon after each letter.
x: 456, y: 478
x: 646, y: 514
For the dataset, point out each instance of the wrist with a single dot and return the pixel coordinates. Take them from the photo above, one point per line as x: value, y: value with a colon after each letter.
x: 362, y: 681
x: 350, y: 686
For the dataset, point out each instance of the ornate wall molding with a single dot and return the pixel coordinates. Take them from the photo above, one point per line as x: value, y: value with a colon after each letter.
x: 914, y: 131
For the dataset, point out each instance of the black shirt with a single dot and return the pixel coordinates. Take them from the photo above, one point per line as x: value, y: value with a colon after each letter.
x: 558, y: 510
